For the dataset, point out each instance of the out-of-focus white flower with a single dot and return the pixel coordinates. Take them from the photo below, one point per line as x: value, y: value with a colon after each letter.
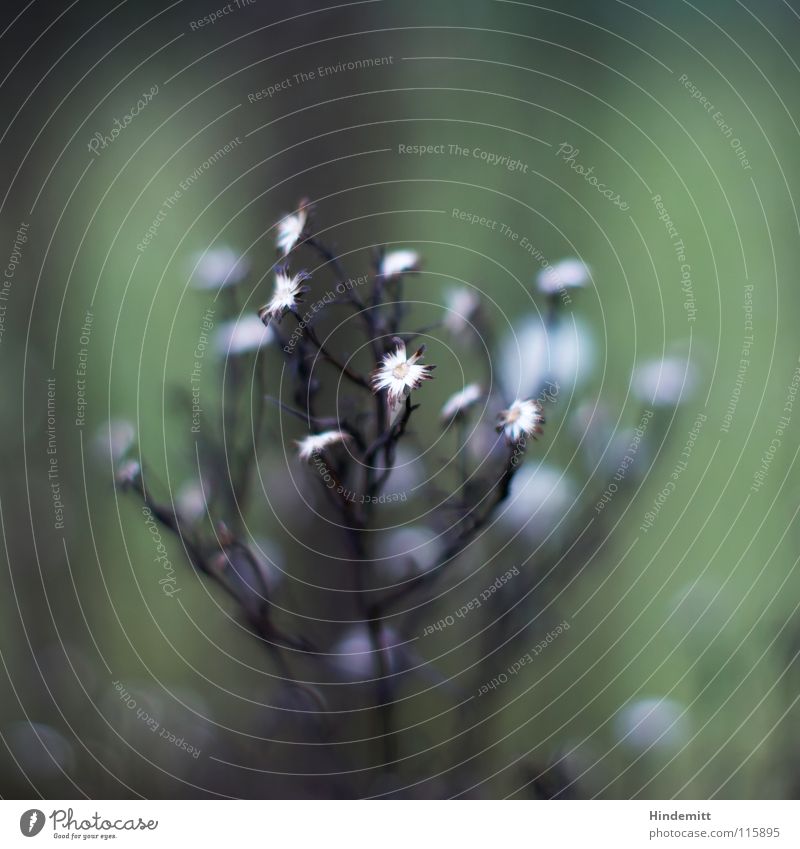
x: 399, y: 262
x: 40, y: 751
x: 652, y: 723
x: 539, y: 498
x: 191, y: 501
x: 458, y: 403
x: 532, y: 356
x: 114, y: 440
x: 568, y: 274
x: 287, y: 295
x: 127, y: 473
x: 290, y: 230
x: 399, y: 373
x: 664, y: 382
x: 460, y: 307
x: 354, y: 657
x: 242, y: 335
x: 316, y: 442
x: 522, y: 418
x: 219, y: 267
x: 414, y: 548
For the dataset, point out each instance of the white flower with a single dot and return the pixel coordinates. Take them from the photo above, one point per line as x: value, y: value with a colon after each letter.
x: 316, y: 442
x: 531, y: 355
x: 540, y: 497
x: 664, y: 382
x: 522, y: 418
x: 567, y: 274
x: 460, y: 402
x: 400, y: 374
x: 290, y: 230
x: 219, y: 267
x: 652, y: 723
x: 114, y: 439
x: 242, y: 335
x: 354, y: 657
x: 127, y: 473
x: 461, y: 305
x: 399, y: 262
x: 191, y: 501
x: 288, y: 293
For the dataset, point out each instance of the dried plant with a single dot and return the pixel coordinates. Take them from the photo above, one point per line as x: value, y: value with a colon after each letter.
x: 353, y: 404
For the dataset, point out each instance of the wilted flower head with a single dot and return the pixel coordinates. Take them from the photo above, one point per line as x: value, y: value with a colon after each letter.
x: 288, y: 293
x: 522, y: 418
x: 316, y: 442
x: 567, y: 274
x: 399, y: 262
x: 461, y: 305
x: 219, y: 267
x: 664, y: 382
x: 399, y: 373
x: 460, y: 402
x: 290, y: 229
x: 242, y: 335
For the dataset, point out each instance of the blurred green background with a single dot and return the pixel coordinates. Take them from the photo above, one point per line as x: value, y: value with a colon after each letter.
x: 701, y: 609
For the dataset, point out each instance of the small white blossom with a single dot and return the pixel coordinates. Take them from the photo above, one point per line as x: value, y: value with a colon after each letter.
x: 460, y: 305
x: 522, y: 418
x: 652, y: 723
x: 399, y: 373
x: 567, y: 274
x: 664, y: 382
x: 316, y: 442
x: 289, y: 291
x: 127, y: 473
x: 460, y: 402
x: 540, y: 499
x: 242, y: 335
x: 219, y: 267
x: 114, y: 439
x: 290, y: 230
x: 399, y: 262
x: 191, y: 501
